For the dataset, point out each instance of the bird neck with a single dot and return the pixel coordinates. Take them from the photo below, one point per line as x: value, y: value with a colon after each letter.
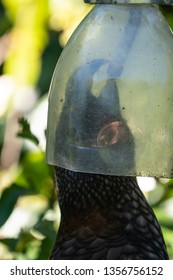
x: 82, y: 191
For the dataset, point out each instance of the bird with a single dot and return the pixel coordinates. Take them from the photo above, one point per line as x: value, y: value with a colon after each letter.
x: 103, y: 216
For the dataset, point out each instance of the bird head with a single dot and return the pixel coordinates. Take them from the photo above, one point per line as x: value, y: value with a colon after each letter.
x: 91, y: 134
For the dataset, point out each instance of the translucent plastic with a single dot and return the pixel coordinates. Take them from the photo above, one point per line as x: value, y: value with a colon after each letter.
x: 111, y: 97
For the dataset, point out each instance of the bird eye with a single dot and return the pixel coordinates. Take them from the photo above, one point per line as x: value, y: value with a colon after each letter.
x: 110, y: 134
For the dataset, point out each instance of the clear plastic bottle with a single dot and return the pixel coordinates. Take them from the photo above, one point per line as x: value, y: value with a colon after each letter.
x: 111, y: 96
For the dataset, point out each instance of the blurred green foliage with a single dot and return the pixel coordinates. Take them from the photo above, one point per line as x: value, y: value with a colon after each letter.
x: 32, y: 36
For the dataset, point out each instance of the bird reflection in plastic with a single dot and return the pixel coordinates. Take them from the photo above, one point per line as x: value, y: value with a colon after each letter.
x: 102, y: 216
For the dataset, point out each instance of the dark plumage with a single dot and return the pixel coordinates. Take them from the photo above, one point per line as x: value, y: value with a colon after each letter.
x: 105, y: 217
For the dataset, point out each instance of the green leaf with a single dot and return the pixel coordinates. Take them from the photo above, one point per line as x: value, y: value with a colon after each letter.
x: 36, y: 175
x: 26, y: 131
x: 8, y: 201
x: 46, y: 229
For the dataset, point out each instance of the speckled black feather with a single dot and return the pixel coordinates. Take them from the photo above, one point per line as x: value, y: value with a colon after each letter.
x: 105, y: 217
